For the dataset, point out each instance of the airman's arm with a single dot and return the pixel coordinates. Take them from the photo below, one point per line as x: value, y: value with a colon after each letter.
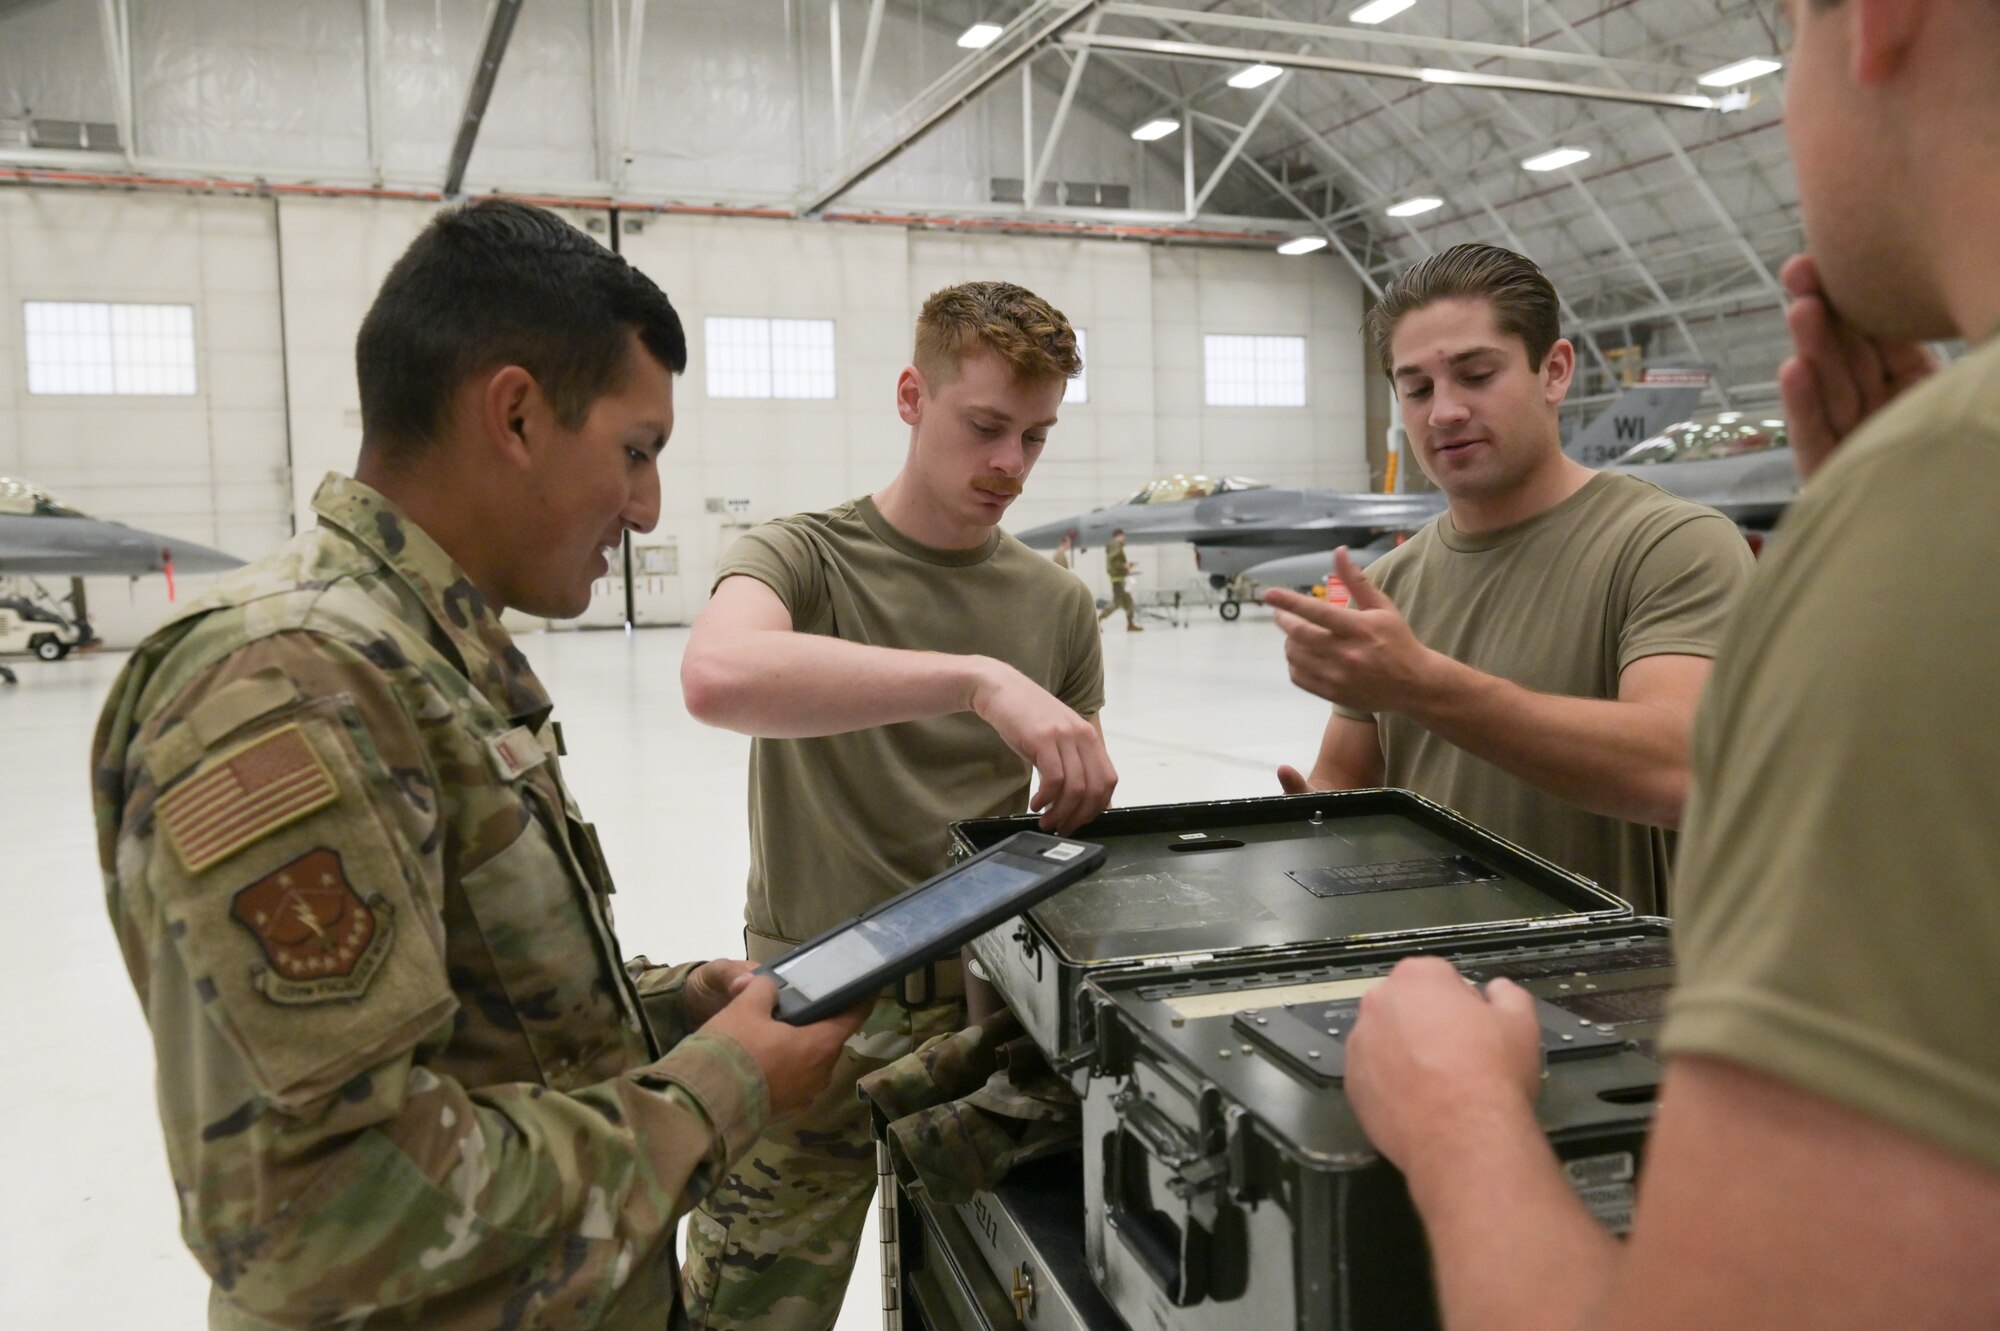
x: 277, y: 885
x: 1763, y: 1204
x: 747, y: 669
x: 1625, y: 757
x: 1350, y: 758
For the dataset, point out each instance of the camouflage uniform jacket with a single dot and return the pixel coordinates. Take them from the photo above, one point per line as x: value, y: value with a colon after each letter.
x: 1116, y: 566
x: 404, y: 1076
x: 963, y: 1110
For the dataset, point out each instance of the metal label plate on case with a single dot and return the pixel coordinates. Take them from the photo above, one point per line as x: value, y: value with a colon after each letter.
x: 1391, y: 876
x: 1312, y: 1037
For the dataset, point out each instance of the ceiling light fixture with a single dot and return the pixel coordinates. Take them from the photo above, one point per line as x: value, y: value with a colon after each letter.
x: 978, y: 36
x: 1423, y: 203
x: 1256, y: 76
x: 1155, y: 129
x: 1238, y: 57
x: 1728, y: 76
x: 1303, y: 245
x: 1555, y: 159
x: 1378, y: 10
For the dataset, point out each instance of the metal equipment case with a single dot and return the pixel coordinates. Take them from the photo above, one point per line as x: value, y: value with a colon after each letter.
x: 1253, y: 881
x: 1010, y: 1258
x: 1194, y: 1208
x: 1226, y: 1182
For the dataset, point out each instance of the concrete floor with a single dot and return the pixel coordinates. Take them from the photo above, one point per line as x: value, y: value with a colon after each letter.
x: 88, y: 1223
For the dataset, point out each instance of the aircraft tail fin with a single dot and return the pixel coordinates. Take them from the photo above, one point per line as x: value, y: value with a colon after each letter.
x: 1661, y: 398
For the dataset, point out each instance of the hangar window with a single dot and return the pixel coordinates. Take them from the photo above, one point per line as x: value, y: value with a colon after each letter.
x: 768, y: 358
x: 88, y: 347
x: 1255, y: 370
x: 1078, y: 392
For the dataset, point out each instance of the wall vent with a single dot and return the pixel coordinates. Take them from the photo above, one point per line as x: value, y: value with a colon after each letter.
x: 1063, y: 193
x: 58, y: 135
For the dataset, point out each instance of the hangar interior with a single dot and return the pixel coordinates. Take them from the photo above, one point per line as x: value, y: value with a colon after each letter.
x: 797, y: 175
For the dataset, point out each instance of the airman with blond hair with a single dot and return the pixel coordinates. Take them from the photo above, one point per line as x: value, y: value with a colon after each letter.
x: 902, y: 664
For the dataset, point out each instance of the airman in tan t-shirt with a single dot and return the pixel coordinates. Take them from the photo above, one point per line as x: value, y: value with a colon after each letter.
x: 1533, y: 658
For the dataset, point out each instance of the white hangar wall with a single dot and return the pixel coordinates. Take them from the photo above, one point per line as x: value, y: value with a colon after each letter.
x: 279, y: 288
x: 210, y: 467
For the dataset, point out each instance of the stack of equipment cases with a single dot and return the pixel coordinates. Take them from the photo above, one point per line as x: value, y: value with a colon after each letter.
x: 1196, y: 990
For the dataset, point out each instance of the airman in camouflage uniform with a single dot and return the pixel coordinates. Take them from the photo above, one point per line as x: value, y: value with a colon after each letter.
x: 405, y: 1076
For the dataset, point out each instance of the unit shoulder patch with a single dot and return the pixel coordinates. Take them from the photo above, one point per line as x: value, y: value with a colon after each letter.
x: 321, y: 939
x: 247, y: 794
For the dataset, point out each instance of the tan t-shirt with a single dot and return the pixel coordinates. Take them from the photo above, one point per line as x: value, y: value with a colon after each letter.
x: 841, y: 822
x: 1841, y: 884
x: 1561, y: 604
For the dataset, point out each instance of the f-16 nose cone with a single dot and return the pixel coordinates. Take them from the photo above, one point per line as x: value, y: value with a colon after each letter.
x: 1047, y: 536
x: 188, y: 557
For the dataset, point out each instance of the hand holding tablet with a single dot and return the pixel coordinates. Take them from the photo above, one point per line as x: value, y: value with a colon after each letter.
x: 933, y: 919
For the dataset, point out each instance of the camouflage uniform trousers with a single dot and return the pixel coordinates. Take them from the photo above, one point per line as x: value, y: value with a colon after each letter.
x: 772, y: 1247
x: 1121, y: 599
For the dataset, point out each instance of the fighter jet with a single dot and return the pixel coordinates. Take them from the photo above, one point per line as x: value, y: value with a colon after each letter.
x: 1736, y: 464
x: 42, y: 537
x: 1234, y: 522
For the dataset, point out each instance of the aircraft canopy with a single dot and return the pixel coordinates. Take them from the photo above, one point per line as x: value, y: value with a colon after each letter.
x: 1173, y: 489
x: 1729, y: 435
x: 21, y: 498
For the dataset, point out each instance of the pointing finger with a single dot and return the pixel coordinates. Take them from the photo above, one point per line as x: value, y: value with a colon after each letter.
x: 1300, y: 631
x: 1296, y: 605
x: 1362, y: 593
x: 1284, y: 598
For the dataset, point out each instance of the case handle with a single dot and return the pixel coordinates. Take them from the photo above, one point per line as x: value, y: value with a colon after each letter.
x: 1156, y: 1244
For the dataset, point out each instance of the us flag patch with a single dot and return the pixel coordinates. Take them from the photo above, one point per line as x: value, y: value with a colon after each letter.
x: 249, y: 794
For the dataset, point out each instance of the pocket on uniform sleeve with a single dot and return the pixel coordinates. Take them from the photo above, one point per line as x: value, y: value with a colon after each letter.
x: 293, y: 903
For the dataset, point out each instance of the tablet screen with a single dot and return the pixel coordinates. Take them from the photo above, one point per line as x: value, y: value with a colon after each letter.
x: 912, y: 926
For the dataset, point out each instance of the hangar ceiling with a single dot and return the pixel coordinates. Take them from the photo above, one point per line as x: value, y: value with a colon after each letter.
x: 1664, y: 240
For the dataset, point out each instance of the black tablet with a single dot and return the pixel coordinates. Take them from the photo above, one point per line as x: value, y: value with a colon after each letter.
x: 933, y: 919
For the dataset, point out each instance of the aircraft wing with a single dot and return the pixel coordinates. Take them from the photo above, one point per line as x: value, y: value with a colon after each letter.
x: 37, y: 545
x: 1261, y: 516
x: 1305, y: 570
x: 1752, y: 490
x: 1282, y: 517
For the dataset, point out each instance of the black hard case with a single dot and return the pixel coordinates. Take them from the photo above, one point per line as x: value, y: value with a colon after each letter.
x: 1223, y: 1189
x: 1008, y: 1259
x: 1186, y: 884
